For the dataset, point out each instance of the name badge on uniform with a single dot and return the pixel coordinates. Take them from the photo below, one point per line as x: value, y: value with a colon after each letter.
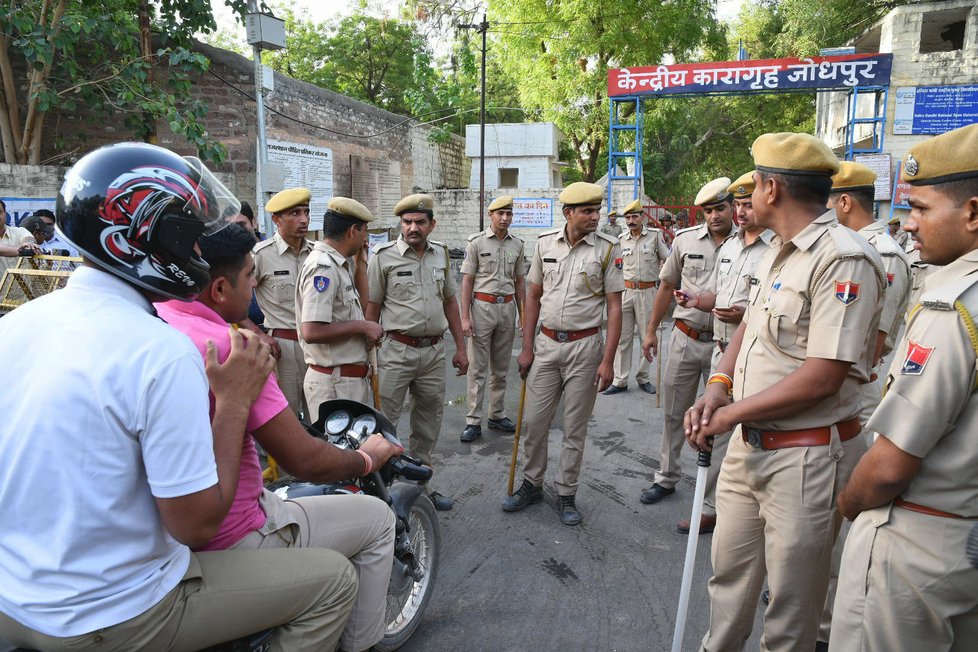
x: 404, y: 274
x: 485, y: 254
x: 695, y: 256
x: 280, y: 272
x: 916, y: 360
x: 550, y: 260
x: 754, y: 280
x: 320, y: 283
x: 724, y: 260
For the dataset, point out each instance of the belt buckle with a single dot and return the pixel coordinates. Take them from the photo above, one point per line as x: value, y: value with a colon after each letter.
x: 424, y: 341
x: 705, y: 337
x: 753, y: 437
x: 500, y: 298
x: 562, y: 336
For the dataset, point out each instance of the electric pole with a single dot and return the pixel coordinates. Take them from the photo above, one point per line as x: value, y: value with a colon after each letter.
x: 482, y: 27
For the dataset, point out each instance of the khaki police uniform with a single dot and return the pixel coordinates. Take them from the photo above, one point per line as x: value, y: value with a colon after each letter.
x: 902, y: 237
x: 326, y: 293
x: 277, y: 268
x: 568, y: 347
x: 411, y: 291
x: 690, y: 268
x: 495, y: 265
x: 733, y: 277
x: 818, y: 297
x: 919, y: 271
x: 13, y: 236
x: 905, y: 583
x: 641, y: 259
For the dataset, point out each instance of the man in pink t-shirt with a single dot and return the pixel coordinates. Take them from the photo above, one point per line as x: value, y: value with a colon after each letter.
x: 360, y: 527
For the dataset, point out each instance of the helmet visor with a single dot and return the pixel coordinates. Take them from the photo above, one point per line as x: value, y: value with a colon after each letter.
x: 212, y: 202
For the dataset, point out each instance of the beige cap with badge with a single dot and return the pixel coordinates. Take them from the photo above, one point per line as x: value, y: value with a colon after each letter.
x: 581, y: 193
x: 350, y: 208
x: 743, y: 187
x: 286, y: 199
x: 417, y: 203
x: 634, y: 208
x: 501, y: 202
x: 792, y: 153
x: 948, y: 157
x: 853, y: 176
x: 715, y: 192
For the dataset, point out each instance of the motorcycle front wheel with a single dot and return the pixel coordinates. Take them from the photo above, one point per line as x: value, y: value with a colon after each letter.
x: 407, y: 601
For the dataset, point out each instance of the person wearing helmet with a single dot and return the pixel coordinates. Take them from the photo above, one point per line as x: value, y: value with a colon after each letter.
x: 101, y: 503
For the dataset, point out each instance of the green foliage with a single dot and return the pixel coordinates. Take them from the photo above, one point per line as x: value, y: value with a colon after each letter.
x: 91, y: 56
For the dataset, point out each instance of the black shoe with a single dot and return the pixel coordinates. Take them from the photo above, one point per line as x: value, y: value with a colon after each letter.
x: 525, y: 496
x: 766, y: 597
x: 471, y: 433
x: 505, y: 424
x: 647, y: 387
x: 615, y: 389
x: 568, y: 511
x: 821, y: 646
x: 441, y: 503
x: 655, y: 493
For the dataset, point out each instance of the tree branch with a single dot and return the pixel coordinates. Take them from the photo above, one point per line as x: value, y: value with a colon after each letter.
x: 33, y: 115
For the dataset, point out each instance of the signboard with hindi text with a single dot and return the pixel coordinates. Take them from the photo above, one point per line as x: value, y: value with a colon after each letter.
x: 934, y: 109
x: 832, y: 72
x: 881, y: 164
x: 306, y: 166
x: 534, y: 212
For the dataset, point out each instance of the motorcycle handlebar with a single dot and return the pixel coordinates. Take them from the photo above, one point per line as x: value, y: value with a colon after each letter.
x: 411, y: 469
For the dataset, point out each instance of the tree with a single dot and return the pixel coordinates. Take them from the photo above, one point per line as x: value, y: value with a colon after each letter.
x: 560, y: 52
x: 57, y: 55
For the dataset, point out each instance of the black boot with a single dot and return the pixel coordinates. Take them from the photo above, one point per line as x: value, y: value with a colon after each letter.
x: 525, y: 496
x: 568, y: 511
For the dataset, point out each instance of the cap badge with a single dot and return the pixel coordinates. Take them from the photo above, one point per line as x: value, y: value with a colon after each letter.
x: 741, y: 190
x: 911, y: 166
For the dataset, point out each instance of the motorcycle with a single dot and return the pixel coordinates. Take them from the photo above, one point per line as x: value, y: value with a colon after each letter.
x: 417, y: 542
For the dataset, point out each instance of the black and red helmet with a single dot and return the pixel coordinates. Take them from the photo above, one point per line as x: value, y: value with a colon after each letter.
x: 137, y: 210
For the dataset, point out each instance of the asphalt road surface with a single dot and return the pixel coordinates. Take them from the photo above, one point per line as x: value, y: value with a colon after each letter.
x: 524, y: 581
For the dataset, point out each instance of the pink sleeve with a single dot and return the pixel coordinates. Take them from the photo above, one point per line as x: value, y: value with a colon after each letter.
x: 270, y: 403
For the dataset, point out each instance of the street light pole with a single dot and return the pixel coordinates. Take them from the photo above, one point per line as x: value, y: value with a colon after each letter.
x: 482, y: 27
x: 262, y: 145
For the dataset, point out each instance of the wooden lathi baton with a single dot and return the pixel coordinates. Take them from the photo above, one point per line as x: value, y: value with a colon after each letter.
x: 516, y: 439
x: 374, y: 379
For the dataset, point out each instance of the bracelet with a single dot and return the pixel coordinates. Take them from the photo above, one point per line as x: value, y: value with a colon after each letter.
x: 722, y: 378
x: 366, y: 460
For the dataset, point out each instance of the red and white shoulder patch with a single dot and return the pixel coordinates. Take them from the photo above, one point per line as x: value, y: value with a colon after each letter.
x: 916, y: 360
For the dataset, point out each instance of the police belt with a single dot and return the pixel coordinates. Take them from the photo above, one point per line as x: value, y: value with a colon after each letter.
x: 699, y: 336
x: 494, y: 298
x: 284, y: 333
x: 772, y: 440
x: 641, y: 285
x: 416, y: 342
x: 930, y: 511
x: 346, y: 370
x: 569, y: 336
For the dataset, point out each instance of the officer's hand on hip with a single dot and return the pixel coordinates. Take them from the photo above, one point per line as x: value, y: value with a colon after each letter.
x: 524, y: 361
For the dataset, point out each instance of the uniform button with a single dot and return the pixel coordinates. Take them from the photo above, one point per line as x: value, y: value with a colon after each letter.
x: 836, y: 457
x: 774, y: 313
x: 750, y: 333
x: 741, y: 370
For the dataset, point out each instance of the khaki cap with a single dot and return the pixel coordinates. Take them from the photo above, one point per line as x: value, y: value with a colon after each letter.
x: 417, y: 203
x: 944, y: 158
x: 714, y: 192
x: 581, y: 193
x: 503, y: 201
x: 895, y: 220
x: 283, y: 201
x: 791, y: 153
x: 743, y: 187
x: 634, y: 207
x: 853, y: 176
x: 612, y: 213
x: 350, y: 208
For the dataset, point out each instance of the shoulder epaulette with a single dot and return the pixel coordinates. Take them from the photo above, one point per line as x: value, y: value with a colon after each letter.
x: 550, y: 232
x: 386, y: 245
x: 475, y: 235
x: 849, y: 245
x: 262, y: 245
x: 687, y: 229
x: 944, y: 296
x: 607, y: 238
x: 438, y: 244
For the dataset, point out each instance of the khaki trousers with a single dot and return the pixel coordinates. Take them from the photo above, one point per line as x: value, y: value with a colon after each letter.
x: 720, y: 443
x: 906, y: 585
x: 776, y: 516
x: 359, y: 527
x: 636, y: 307
x: 291, y: 370
x: 566, y: 370
x: 489, y: 350
x: 306, y: 595
x: 421, y: 370
x: 319, y: 388
x: 688, y: 361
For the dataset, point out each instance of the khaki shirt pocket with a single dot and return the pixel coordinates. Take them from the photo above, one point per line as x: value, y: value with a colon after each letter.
x: 694, y: 271
x: 551, y: 275
x: 784, y: 311
x: 487, y: 263
x: 438, y: 275
x: 404, y: 288
x: 724, y: 266
x: 590, y: 277
x: 284, y: 293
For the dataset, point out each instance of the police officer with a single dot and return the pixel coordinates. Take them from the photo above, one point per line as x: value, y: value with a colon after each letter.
x: 277, y: 263
x: 690, y: 267
x: 573, y: 279
x: 905, y: 584
x: 493, y: 291
x: 612, y: 228
x: 642, y: 251
x: 897, y: 233
x: 794, y: 367
x: 412, y: 296
x: 333, y: 332
x: 733, y: 277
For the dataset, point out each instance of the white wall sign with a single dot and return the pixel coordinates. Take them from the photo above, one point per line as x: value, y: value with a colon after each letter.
x: 20, y: 207
x: 306, y: 166
x: 881, y: 164
x: 533, y: 212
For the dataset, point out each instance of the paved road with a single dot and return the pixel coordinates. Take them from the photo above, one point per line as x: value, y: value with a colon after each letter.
x: 524, y: 581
